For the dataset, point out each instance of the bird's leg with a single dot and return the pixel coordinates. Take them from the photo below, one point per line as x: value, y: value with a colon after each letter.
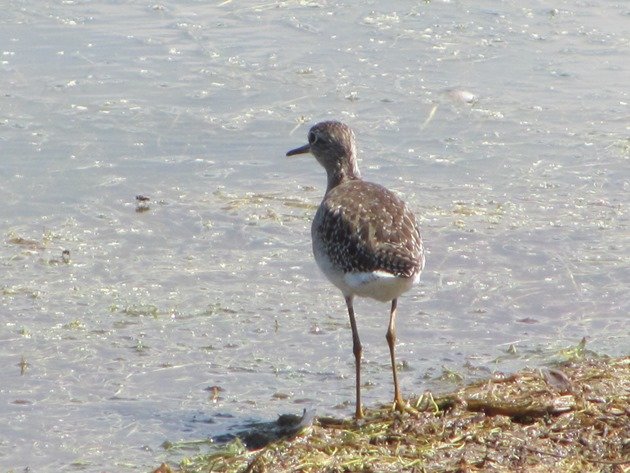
x: 391, y: 341
x: 357, y: 350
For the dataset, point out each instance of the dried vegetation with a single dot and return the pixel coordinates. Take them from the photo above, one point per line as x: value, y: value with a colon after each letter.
x: 572, y: 418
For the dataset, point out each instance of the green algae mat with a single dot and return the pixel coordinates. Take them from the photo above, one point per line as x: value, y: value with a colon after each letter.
x: 574, y: 417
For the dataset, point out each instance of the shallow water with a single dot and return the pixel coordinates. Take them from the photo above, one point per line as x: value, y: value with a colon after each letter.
x: 504, y: 127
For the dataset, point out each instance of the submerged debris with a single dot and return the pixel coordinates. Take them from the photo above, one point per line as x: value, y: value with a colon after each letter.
x: 462, y: 96
x: 572, y: 418
x: 142, y: 203
x: 65, y: 256
x: 257, y: 435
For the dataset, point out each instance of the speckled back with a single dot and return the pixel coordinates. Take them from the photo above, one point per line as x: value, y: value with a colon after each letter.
x: 363, y: 227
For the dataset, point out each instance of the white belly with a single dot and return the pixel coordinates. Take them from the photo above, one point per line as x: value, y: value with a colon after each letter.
x: 379, y: 285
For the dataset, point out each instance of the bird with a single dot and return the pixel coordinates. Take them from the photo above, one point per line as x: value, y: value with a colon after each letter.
x: 365, y: 239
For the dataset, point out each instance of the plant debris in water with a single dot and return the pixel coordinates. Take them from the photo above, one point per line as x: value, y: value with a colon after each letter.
x: 574, y: 417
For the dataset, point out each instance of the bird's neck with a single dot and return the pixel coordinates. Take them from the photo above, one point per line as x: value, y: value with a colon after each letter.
x: 344, y: 170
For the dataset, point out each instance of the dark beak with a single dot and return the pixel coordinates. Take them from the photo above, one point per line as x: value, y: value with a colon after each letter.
x: 300, y: 150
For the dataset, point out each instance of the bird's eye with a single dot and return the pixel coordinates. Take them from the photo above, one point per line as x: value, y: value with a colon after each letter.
x: 312, y: 137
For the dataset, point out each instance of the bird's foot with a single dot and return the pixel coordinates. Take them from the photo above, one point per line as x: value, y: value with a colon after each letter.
x: 404, y: 407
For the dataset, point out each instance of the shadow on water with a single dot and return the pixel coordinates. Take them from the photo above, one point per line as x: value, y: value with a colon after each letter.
x: 256, y: 435
x: 251, y: 435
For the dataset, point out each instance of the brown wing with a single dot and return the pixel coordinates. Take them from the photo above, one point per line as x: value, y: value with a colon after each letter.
x: 365, y: 227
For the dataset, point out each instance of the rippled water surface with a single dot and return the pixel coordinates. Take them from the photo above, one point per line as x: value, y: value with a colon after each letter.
x: 503, y: 124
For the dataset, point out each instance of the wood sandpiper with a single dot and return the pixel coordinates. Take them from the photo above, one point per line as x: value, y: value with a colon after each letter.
x: 365, y: 239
